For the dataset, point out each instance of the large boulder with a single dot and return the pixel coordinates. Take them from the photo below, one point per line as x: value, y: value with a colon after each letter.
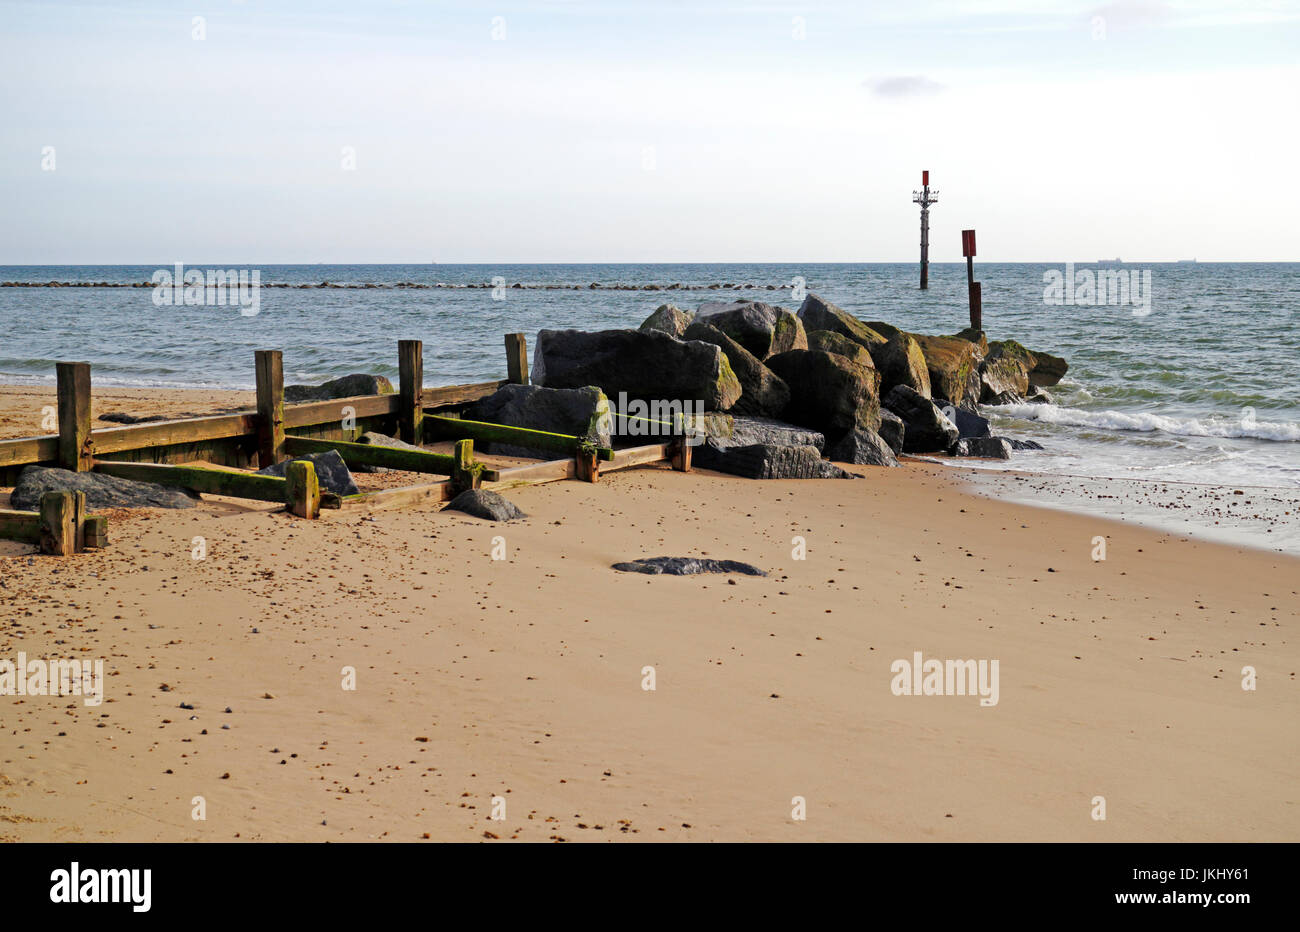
x: 988, y: 447
x: 828, y: 341
x: 818, y: 314
x: 901, y: 362
x: 1004, y: 374
x: 768, y: 461
x: 763, y: 392
x: 969, y: 423
x: 331, y: 472
x: 926, y: 430
x: 954, y: 366
x: 349, y: 386
x: 892, y: 430
x: 668, y: 318
x: 644, y: 364
x: 864, y: 447
x: 1047, y: 370
x: 763, y: 329
x: 749, y: 431
x: 581, y: 412
x: 101, y: 491
x: 977, y: 337
x: 829, y: 392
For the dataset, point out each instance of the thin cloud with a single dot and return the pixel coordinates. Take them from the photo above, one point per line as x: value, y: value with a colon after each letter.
x: 907, y: 85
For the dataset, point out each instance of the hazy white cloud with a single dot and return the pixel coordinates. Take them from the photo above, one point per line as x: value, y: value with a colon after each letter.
x: 908, y: 85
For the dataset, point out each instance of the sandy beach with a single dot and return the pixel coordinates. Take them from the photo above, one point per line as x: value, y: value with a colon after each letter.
x: 523, y: 678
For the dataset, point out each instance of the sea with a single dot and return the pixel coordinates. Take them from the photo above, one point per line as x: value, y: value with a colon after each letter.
x: 1192, y: 376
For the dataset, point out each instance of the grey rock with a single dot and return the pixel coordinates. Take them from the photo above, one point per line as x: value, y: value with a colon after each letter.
x: 828, y: 341
x: 644, y: 364
x: 864, y: 447
x: 768, y: 461
x: 1023, y: 444
x: 901, y: 362
x: 686, y: 566
x: 121, y: 417
x: 101, y: 491
x: 892, y: 430
x: 969, y: 424
x: 927, y: 430
x: 748, y: 431
x: 763, y: 329
x: 989, y: 447
x: 331, y: 472
x: 819, y: 314
x: 763, y: 392
x: 482, y: 503
x: 1039, y: 396
x: 580, y: 412
x: 348, y: 386
x: 373, y: 438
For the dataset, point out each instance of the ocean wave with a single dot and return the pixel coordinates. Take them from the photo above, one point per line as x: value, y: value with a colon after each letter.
x: 1281, y: 431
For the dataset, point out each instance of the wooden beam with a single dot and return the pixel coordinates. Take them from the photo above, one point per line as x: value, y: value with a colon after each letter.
x: 638, y: 456
x: 20, y: 525
x: 230, y: 482
x: 24, y: 450
x: 58, y: 535
x: 303, y: 489
x: 447, y: 395
x: 75, y: 451
x: 516, y: 358
x: 410, y: 412
x: 446, y: 427
x: 536, y: 473
x: 366, y: 454
x: 434, y: 492
x: 270, y: 407
x: 166, y: 433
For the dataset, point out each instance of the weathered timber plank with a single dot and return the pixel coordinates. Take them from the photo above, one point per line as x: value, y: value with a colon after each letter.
x: 365, y: 454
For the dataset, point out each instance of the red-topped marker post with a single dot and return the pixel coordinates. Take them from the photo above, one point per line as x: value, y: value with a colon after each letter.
x: 972, y: 286
x: 925, y: 197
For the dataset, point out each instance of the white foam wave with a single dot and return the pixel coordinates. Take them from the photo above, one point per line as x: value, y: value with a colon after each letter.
x: 1283, y: 431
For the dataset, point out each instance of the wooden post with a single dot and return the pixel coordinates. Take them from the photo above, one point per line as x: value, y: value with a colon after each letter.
x: 96, y: 533
x: 465, y: 474
x: 75, y: 451
x: 303, y: 489
x: 517, y: 358
x: 588, y: 465
x: 270, y: 407
x: 58, y: 523
x: 410, y: 412
x: 679, y: 454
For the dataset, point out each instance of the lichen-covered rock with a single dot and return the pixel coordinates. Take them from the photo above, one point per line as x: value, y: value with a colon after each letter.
x: 686, y: 566
x: 818, y: 314
x: 763, y: 392
x: 864, y: 447
x: 644, y: 364
x: 828, y: 341
x: 763, y: 329
x: 349, y: 386
x: 486, y: 504
x: 670, y: 319
x: 927, y: 430
x: 901, y: 362
x: 331, y: 472
x: 975, y: 336
x: 829, y: 392
x: 1043, y: 369
x: 768, y: 461
x: 580, y: 412
x: 101, y: 491
x: 954, y: 366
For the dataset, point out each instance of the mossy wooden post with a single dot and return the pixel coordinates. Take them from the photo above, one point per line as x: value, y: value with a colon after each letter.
x: 303, y: 489
x: 465, y: 474
x: 270, y: 407
x: 679, y: 454
x: 517, y: 358
x: 75, y: 452
x: 410, y: 413
x: 588, y: 466
x: 96, y: 531
x: 58, y: 523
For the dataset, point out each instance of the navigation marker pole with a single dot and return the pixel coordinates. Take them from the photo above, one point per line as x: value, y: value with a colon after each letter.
x: 925, y: 197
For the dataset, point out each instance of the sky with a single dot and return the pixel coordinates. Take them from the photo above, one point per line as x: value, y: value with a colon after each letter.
x: 669, y: 131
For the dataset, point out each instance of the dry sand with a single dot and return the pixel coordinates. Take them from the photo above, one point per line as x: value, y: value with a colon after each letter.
x: 522, y: 678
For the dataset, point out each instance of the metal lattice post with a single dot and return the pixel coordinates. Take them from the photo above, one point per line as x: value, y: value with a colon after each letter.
x: 925, y: 197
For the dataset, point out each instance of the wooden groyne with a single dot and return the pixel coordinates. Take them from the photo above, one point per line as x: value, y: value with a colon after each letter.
x: 231, y: 446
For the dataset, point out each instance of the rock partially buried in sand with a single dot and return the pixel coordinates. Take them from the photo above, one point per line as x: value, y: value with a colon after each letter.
x: 927, y: 430
x: 348, y: 386
x: 101, y: 491
x: 768, y: 461
x: 988, y: 447
x: 580, y: 412
x: 331, y: 472
x: 862, y: 446
x: 375, y: 439
x: 686, y: 566
x: 481, y: 503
